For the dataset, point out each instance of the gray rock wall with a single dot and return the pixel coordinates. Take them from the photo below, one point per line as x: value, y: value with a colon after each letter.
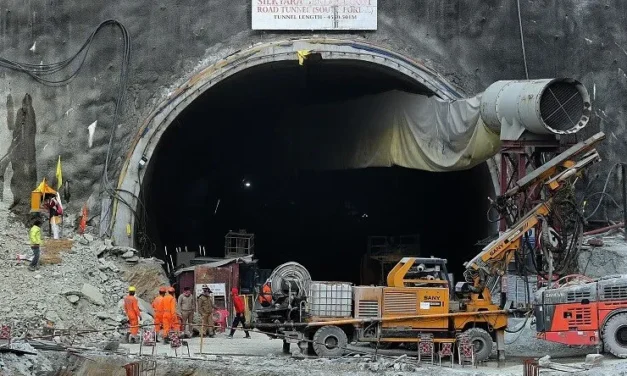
x: 471, y: 43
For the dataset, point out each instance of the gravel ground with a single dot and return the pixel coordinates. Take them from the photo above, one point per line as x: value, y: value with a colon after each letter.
x: 524, y: 344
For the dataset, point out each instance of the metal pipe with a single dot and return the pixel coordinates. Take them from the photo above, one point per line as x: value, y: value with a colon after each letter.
x: 402, y: 318
x: 372, y: 320
x: 604, y: 229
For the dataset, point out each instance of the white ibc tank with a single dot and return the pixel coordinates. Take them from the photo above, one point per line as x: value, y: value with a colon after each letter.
x: 330, y: 299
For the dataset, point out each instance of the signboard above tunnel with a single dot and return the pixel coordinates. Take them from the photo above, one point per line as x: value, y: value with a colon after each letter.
x: 314, y: 14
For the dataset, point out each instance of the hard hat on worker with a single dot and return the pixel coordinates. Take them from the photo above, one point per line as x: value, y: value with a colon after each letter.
x: 171, y: 289
x: 162, y: 289
x: 131, y: 289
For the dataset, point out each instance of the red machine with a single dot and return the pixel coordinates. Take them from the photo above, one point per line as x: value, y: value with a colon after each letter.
x: 220, y: 318
x: 585, y: 313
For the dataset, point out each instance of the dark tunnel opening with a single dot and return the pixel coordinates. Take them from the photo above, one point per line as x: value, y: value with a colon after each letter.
x: 227, y: 163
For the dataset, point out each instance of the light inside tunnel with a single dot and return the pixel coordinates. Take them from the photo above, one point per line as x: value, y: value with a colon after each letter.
x: 227, y: 162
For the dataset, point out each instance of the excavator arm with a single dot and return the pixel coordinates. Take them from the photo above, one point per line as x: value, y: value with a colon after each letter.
x: 495, y: 257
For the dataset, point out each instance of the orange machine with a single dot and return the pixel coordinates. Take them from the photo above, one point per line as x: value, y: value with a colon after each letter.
x: 419, y: 298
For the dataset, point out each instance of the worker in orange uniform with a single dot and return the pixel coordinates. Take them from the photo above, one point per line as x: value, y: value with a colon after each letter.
x: 265, y: 297
x: 157, y: 305
x: 176, y: 320
x: 131, y: 308
x: 168, y: 304
x: 240, y: 308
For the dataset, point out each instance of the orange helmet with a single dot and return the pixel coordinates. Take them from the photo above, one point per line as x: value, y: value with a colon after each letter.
x: 162, y: 289
x: 171, y: 289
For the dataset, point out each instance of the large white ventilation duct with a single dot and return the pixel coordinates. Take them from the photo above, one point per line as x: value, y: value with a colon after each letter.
x: 550, y: 106
x: 431, y: 133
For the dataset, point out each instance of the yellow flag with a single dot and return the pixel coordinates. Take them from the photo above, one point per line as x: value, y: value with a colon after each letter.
x: 302, y: 55
x: 59, y: 175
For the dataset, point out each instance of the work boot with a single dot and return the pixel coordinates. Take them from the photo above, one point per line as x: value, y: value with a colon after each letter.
x: 247, y: 336
x: 31, y: 268
x: 229, y: 337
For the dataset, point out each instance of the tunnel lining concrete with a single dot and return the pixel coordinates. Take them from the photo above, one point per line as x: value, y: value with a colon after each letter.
x: 147, y: 138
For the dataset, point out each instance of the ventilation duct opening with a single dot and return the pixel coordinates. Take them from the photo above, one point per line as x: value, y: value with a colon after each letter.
x: 562, y: 107
x: 546, y: 107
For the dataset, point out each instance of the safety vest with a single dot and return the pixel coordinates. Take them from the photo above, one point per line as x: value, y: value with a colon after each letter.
x: 265, y: 298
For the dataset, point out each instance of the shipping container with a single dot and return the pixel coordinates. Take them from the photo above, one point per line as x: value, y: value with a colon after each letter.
x: 330, y: 299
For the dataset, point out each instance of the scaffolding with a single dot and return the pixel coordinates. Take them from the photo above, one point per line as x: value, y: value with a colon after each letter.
x: 239, y: 244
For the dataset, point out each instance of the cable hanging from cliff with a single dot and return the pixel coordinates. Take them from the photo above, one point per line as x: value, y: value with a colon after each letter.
x: 39, y: 72
x: 522, y: 39
x: 43, y: 73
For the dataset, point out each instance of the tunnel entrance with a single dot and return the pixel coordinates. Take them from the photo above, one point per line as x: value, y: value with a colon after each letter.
x: 228, y: 162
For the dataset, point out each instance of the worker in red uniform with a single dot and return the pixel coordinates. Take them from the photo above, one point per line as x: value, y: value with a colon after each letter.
x: 168, y: 304
x: 131, y: 308
x: 157, y: 305
x: 238, y: 305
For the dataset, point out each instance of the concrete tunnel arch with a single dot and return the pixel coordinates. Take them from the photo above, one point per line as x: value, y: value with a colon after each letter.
x: 153, y: 127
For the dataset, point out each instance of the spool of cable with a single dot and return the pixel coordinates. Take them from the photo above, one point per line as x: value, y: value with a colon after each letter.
x: 291, y: 276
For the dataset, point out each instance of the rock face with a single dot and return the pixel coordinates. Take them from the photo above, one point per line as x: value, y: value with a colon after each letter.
x: 608, y: 259
x: 22, y: 153
x: 92, y: 294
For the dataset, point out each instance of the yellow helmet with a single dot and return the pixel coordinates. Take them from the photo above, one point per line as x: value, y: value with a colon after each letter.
x: 131, y: 289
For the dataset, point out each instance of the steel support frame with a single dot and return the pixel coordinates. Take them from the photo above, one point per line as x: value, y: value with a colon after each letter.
x: 519, y: 152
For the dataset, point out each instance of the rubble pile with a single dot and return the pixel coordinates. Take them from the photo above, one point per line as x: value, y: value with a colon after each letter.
x: 82, y: 293
x: 603, y: 255
x: 14, y: 364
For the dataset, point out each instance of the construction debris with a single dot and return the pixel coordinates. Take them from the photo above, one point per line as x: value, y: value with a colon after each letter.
x: 92, y: 294
x: 73, y: 293
x: 593, y: 360
x: 610, y: 258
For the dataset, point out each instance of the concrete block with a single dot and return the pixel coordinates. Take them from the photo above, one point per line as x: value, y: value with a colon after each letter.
x: 593, y: 360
